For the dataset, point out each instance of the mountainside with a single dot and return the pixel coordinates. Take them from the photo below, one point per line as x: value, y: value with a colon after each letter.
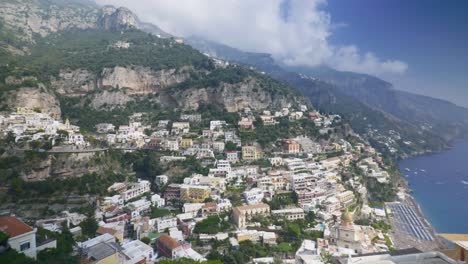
x: 442, y: 117
x: 78, y: 60
x: 390, y: 118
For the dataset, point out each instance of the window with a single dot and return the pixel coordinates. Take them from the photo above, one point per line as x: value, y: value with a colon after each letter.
x: 25, y: 246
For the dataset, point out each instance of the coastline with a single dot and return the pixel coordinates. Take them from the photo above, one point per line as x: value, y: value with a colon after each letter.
x: 444, y: 168
x: 438, y: 239
x: 438, y: 184
x: 403, y: 239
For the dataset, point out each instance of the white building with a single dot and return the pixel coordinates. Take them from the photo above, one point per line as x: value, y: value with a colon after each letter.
x: 163, y: 223
x: 217, y: 124
x: 180, y: 127
x: 22, y: 237
x: 138, y: 251
x: 137, y: 189
x: 254, y: 196
x: 157, y: 200
x: 346, y: 198
x: 289, y: 214
x: 307, y: 253
x: 172, y: 145
x: 139, y: 207
x: 161, y: 180
x: 105, y: 128
x: 232, y: 156
x: 192, y: 207
x: 218, y: 146
x: 76, y: 139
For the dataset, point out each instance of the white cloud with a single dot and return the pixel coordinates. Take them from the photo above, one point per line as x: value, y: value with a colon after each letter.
x: 299, y: 38
x: 348, y: 59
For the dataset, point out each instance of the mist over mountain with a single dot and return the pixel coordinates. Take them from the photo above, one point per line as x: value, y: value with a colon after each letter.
x: 360, y: 93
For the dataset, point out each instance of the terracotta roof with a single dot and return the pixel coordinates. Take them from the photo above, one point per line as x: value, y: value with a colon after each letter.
x: 104, y: 230
x: 169, y: 242
x: 13, y: 226
x: 111, y: 208
x: 209, y: 205
x: 253, y: 206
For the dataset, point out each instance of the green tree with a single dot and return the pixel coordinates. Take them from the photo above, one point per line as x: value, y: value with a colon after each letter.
x: 159, y: 212
x: 146, y: 240
x: 89, y: 227
x: 230, y: 146
x: 211, y: 225
x: 3, y: 239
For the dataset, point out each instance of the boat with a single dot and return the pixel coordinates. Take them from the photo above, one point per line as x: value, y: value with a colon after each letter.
x: 407, y: 169
x: 465, y: 182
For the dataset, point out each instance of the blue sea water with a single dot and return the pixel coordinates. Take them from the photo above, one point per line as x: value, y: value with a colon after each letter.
x: 440, y: 185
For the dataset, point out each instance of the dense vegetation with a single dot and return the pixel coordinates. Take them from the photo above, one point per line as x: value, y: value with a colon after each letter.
x: 266, y: 135
x: 92, y: 184
x: 92, y: 50
x: 211, y: 225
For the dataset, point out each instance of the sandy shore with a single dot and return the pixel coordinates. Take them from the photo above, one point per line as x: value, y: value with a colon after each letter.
x: 402, y: 239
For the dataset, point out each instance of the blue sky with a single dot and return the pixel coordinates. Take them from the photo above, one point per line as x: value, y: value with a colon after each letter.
x: 418, y: 45
x: 431, y: 36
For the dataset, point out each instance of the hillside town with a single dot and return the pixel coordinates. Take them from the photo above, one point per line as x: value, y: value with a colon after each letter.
x: 298, y: 199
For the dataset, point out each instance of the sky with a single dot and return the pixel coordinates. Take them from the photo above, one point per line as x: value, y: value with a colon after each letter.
x: 418, y: 45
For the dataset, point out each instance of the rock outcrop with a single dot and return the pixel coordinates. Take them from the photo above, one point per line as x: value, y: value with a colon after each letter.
x: 29, y: 17
x: 140, y: 80
x: 110, y: 99
x: 34, y: 17
x: 120, y: 80
x: 234, y: 97
x: 74, y: 82
x: 68, y: 165
x: 38, y: 98
x: 112, y: 18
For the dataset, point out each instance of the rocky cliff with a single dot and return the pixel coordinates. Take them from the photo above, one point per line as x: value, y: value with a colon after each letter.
x: 43, y: 17
x: 234, y: 97
x: 30, y: 94
x: 67, y: 165
x: 91, y: 57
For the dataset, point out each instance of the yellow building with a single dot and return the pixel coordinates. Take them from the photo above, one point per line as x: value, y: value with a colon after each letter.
x: 186, y: 143
x: 112, y: 259
x: 194, y: 193
x: 251, y: 153
x: 243, y: 214
x: 291, y: 147
x: 460, y: 253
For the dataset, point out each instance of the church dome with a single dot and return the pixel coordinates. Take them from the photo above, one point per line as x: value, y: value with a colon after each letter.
x: 346, y: 217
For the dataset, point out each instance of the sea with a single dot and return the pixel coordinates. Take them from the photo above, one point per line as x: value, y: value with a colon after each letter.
x: 440, y: 185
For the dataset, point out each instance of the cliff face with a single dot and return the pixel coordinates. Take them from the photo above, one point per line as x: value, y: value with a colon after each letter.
x: 62, y: 166
x: 112, y: 18
x: 98, y: 57
x: 74, y: 82
x: 29, y: 17
x: 141, y: 80
x: 132, y: 79
x: 234, y: 97
x: 38, y: 98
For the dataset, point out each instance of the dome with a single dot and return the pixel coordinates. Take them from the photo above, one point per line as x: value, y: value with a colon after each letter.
x: 346, y: 217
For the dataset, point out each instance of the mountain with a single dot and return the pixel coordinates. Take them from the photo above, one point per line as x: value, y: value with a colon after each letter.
x: 391, y: 119
x: 93, y: 64
x: 442, y: 117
